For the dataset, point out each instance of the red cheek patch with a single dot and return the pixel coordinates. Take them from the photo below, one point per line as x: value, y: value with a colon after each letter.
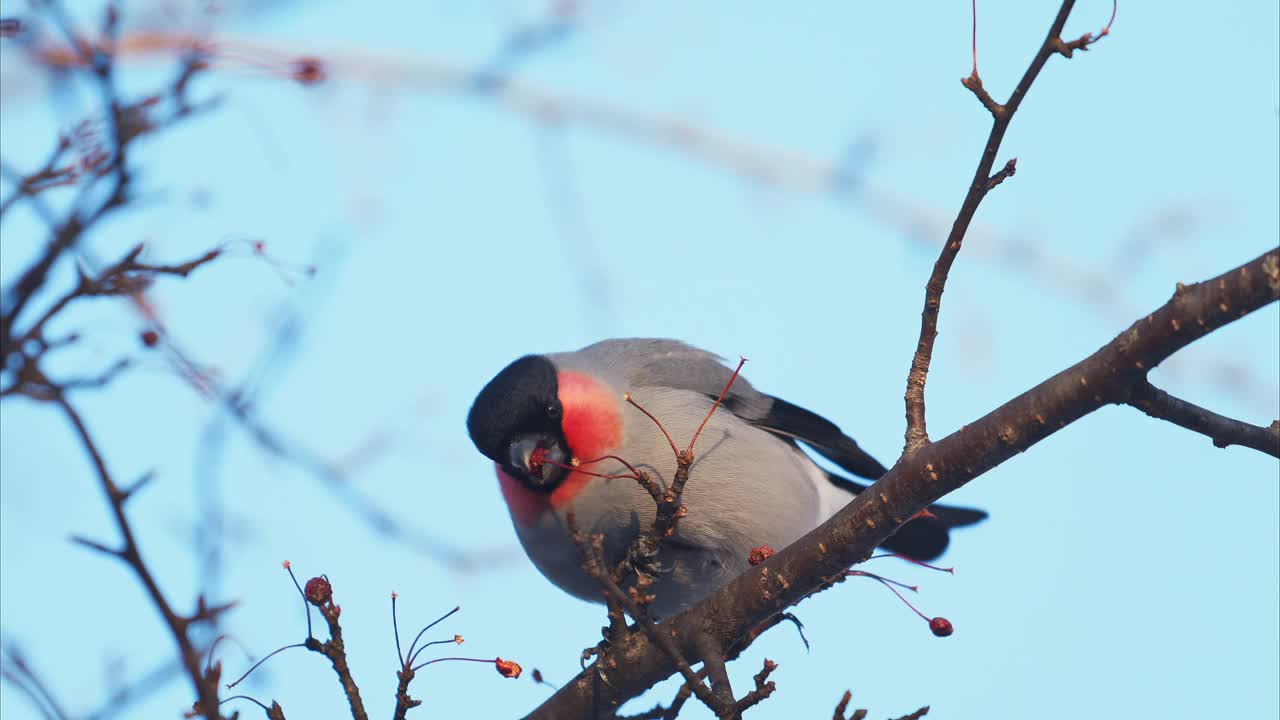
x: 591, y: 421
x: 592, y: 426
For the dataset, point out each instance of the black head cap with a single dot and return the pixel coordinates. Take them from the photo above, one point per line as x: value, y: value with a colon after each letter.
x: 523, y: 398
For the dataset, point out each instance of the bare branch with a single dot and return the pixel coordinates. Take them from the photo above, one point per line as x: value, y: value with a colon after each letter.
x: 336, y: 650
x: 917, y: 434
x: 205, y: 685
x: 1222, y: 430
x: 763, y: 689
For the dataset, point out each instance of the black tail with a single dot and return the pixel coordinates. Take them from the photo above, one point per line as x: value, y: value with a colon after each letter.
x: 924, y: 538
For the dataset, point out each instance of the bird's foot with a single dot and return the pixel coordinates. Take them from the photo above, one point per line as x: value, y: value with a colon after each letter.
x: 642, y: 557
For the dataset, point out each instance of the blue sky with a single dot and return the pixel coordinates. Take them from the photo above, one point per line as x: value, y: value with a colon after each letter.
x: 454, y: 231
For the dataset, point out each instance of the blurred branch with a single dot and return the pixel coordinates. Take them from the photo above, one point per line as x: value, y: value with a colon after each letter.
x: 125, y: 695
x: 102, y: 177
x: 17, y: 671
x: 127, y: 122
x: 127, y: 278
x: 1102, y: 290
x: 204, y: 683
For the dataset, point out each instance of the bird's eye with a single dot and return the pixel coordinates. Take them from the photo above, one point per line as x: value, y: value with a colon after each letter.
x: 554, y: 411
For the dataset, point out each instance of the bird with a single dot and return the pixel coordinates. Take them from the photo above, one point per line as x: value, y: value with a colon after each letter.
x: 564, y: 430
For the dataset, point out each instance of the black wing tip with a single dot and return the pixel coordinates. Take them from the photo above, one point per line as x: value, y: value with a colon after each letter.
x: 819, y: 433
x: 927, y: 538
x: 956, y: 517
x: 921, y: 539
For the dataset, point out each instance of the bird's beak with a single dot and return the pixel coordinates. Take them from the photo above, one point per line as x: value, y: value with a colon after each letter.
x: 538, y: 457
x: 521, y: 451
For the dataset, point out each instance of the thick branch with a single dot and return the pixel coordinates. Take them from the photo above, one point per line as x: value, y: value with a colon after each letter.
x: 1222, y: 430
x: 983, y: 181
x: 1108, y: 376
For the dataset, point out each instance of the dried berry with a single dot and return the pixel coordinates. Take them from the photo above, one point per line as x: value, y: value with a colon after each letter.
x: 760, y: 554
x: 941, y: 626
x: 318, y: 591
x: 508, y: 668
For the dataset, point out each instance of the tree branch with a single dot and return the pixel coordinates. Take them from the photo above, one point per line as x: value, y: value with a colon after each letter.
x: 917, y: 434
x: 204, y: 684
x: 1108, y: 376
x: 1222, y: 430
x: 336, y: 650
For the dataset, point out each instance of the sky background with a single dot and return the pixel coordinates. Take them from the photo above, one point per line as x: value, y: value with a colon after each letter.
x: 756, y: 179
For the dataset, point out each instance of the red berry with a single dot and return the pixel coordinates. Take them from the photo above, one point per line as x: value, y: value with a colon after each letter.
x: 760, y: 554
x: 508, y: 668
x: 941, y: 626
x: 537, y: 459
x: 308, y: 71
x: 318, y: 591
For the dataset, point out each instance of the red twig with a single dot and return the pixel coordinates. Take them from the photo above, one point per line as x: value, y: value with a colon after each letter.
x: 656, y: 421
x: 719, y: 399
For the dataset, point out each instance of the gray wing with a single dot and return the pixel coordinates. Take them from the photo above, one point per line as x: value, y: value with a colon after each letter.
x: 657, y: 362
x: 647, y: 362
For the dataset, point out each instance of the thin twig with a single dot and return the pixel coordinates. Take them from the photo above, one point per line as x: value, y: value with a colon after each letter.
x: 15, y: 668
x: 205, y: 685
x: 983, y: 181
x: 763, y: 689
